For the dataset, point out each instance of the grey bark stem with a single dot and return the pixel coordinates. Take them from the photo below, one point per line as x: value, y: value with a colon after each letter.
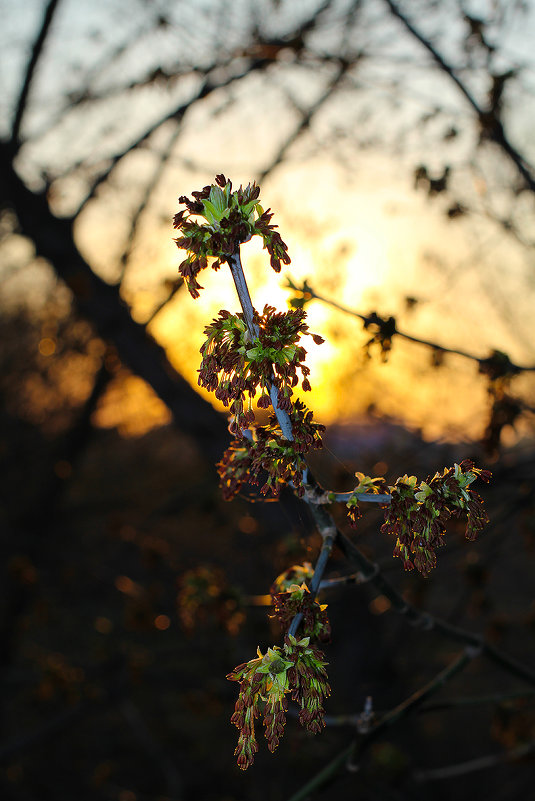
x: 248, y: 311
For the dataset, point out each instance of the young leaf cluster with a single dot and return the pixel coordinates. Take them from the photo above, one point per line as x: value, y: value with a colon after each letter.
x: 269, y: 459
x: 230, y: 218
x: 234, y: 363
x: 297, y: 599
x: 418, y: 513
x: 296, y: 670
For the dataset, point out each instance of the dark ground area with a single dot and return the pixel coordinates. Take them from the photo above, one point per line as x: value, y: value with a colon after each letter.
x: 114, y: 653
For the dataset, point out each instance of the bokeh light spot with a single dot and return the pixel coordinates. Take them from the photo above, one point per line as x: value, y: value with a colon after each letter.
x: 162, y: 622
x: 47, y: 346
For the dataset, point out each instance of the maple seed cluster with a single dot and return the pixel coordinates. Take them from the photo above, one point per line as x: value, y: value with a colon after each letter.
x: 231, y: 218
x: 297, y: 669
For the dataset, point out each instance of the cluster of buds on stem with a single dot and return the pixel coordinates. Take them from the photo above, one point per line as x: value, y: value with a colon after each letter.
x: 234, y: 364
x: 418, y: 513
x: 297, y: 599
x: 267, y: 458
x: 296, y: 670
x: 250, y: 354
x: 230, y: 218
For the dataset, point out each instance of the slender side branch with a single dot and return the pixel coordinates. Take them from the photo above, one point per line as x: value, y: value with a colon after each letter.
x: 358, y: 746
x: 426, y: 621
x: 488, y: 118
x: 321, y: 778
x: 421, y: 695
x: 149, y: 191
x: 478, y: 700
x: 30, y: 72
x: 311, y: 294
x: 306, y: 120
x: 481, y: 763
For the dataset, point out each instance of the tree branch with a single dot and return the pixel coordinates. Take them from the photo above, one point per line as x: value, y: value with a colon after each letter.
x: 426, y: 621
x: 310, y: 294
x: 101, y: 303
x: 481, y: 763
x: 306, y: 119
x: 30, y: 71
x: 487, y: 118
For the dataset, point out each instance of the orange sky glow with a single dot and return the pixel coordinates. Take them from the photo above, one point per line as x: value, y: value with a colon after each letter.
x: 366, y: 253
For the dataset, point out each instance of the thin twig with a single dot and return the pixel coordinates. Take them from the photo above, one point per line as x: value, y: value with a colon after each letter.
x: 367, y: 497
x: 481, y: 763
x: 163, y: 160
x: 177, y: 284
x: 207, y: 86
x: 30, y: 72
x: 325, y: 774
x: 497, y: 132
x: 313, y: 295
x: 478, y: 700
x: 417, y: 698
x: 358, y: 746
x: 426, y: 621
x: 306, y: 119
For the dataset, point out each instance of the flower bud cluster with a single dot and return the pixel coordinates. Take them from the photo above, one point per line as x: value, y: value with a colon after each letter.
x: 368, y: 485
x: 297, y: 669
x: 296, y: 599
x: 418, y: 513
x: 233, y: 364
x: 268, y: 458
x: 296, y: 574
x: 231, y: 218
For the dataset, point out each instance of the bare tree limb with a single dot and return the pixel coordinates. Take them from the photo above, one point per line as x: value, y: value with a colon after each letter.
x: 489, y: 121
x: 149, y: 189
x: 426, y: 621
x: 310, y: 294
x: 481, y: 763
x: 206, y: 88
x: 30, y: 70
x: 305, y: 121
x: 101, y: 303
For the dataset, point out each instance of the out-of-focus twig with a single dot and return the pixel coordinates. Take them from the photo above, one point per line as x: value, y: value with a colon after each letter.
x: 30, y: 71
